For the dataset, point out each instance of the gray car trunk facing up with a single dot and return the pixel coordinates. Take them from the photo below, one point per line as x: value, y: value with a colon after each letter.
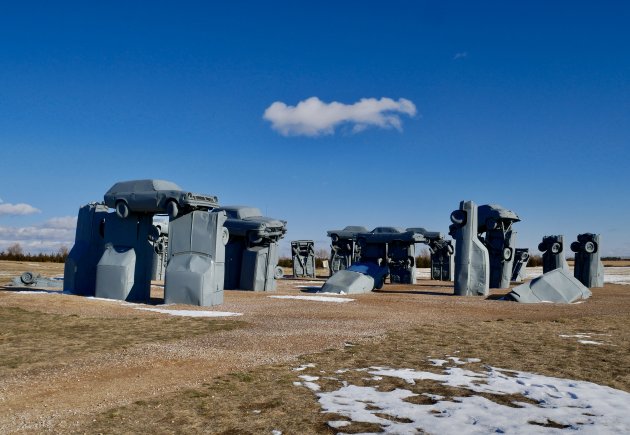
x: 79, y: 273
x: 303, y: 257
x: 124, y: 270
x: 471, y: 256
x: 589, y: 269
x: 195, y: 271
x: 553, y: 250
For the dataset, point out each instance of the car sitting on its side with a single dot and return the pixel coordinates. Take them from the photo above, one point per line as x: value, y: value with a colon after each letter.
x: 155, y: 196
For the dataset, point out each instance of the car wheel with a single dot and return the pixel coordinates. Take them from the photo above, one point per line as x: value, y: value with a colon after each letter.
x: 279, y: 273
x: 590, y: 247
x: 225, y: 236
x: 507, y: 254
x: 27, y: 278
x: 575, y: 246
x: 122, y: 209
x: 556, y: 248
x: 524, y: 257
x: 458, y: 217
x: 542, y: 247
x: 334, y: 238
x: 172, y: 209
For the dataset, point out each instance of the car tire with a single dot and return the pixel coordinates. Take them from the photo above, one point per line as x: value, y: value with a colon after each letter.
x: 279, y: 273
x: 575, y: 246
x: 590, y: 247
x: 542, y: 247
x: 334, y: 238
x: 172, y: 209
x: 122, y: 209
x: 507, y: 254
x: 556, y: 248
x: 458, y: 217
x: 27, y: 278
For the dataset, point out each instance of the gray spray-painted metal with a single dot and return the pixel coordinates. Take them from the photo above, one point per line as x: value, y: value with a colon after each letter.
x: 35, y: 280
x: 358, y: 278
x: 589, y: 269
x: 393, y: 248
x: 442, y: 250
x: 251, y: 255
x: 472, y: 268
x: 258, y: 272
x: 195, y: 270
x: 124, y: 270
x: 521, y: 257
x: 79, y: 272
x: 343, y: 247
x: 303, y: 256
x: 555, y: 286
x: 155, y: 196
x: 552, y: 248
x: 159, y: 239
x: 500, y: 241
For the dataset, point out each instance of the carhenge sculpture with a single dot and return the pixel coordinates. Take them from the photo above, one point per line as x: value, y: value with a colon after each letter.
x: 113, y: 256
x: 472, y: 268
x: 500, y: 239
x: 552, y: 248
x: 521, y: 258
x: 303, y: 258
x: 343, y: 247
x: 252, y: 250
x: 442, y: 260
x: 381, y: 252
x: 589, y: 269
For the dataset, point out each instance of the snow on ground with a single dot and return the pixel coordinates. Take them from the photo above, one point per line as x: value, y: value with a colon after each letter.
x: 313, y: 298
x: 582, y: 338
x: 190, y: 313
x: 562, y: 405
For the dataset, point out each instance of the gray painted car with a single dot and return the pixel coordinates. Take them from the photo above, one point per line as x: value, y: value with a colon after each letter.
x: 248, y: 222
x: 155, y: 196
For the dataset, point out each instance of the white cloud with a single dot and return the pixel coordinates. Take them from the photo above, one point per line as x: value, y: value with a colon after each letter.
x: 17, y: 209
x: 313, y: 117
x: 65, y: 222
x: 46, y: 237
x: 460, y: 55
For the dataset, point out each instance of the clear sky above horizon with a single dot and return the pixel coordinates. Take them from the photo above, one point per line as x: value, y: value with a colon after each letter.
x: 523, y: 104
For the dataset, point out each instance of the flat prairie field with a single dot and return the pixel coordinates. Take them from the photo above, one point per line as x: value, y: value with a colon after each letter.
x: 405, y: 359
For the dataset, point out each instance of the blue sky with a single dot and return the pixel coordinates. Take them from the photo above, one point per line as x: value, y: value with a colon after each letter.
x: 524, y: 104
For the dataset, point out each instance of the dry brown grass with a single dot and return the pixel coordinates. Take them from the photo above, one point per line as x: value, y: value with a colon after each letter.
x: 70, y: 364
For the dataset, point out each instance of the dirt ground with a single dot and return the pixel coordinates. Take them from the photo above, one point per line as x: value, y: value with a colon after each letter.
x: 75, y: 364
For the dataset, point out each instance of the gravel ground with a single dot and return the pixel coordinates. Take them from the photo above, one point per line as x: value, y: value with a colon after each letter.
x: 276, y: 331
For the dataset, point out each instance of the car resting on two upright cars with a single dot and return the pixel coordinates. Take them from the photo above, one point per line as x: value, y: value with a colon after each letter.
x: 155, y: 196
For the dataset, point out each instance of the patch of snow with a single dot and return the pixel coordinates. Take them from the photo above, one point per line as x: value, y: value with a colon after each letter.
x: 336, y: 424
x: 575, y: 336
x: 309, y: 378
x: 437, y: 362
x: 590, y: 342
x: 313, y: 298
x: 276, y: 432
x: 303, y: 367
x: 311, y: 386
x: 297, y: 384
x: 256, y: 411
x: 191, y: 313
x: 577, y: 405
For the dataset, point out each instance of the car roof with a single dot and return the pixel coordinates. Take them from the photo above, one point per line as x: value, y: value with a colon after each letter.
x: 143, y: 186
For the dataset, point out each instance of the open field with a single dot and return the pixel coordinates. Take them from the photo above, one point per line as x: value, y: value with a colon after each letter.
x: 74, y: 364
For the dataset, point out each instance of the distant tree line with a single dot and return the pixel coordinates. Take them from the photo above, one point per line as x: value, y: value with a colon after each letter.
x: 16, y: 253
